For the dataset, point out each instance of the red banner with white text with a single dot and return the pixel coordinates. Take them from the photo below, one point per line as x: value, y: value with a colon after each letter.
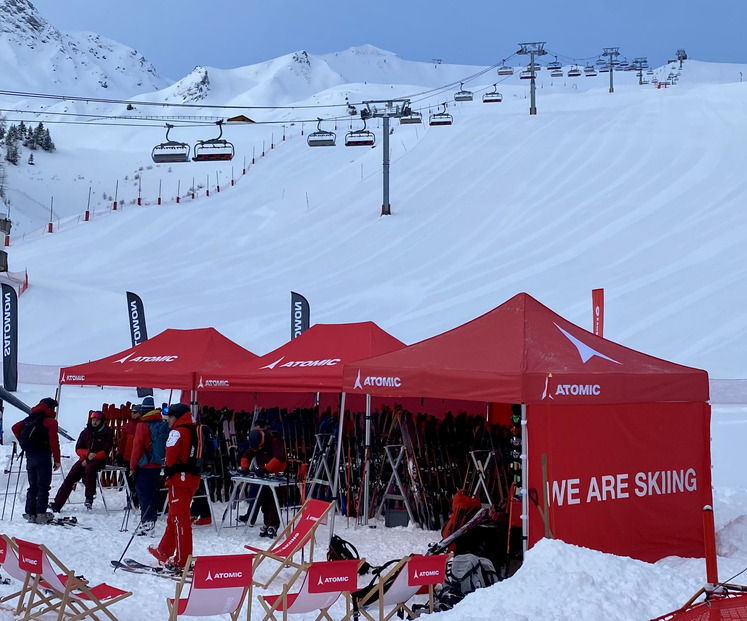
x: 628, y: 479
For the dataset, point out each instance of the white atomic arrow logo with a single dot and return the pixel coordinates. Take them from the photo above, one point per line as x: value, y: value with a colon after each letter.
x: 273, y: 364
x: 358, y: 381
x: 584, y: 350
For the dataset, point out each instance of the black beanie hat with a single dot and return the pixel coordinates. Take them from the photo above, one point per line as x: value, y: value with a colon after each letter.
x: 50, y: 403
x: 255, y: 438
x: 178, y: 409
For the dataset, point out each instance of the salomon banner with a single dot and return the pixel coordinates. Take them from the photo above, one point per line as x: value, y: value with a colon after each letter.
x: 10, y: 338
x: 138, y: 332
x: 300, y: 314
x: 136, y: 313
x: 597, y: 303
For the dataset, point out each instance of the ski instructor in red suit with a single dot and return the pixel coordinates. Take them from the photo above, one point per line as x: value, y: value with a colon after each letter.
x: 176, y: 544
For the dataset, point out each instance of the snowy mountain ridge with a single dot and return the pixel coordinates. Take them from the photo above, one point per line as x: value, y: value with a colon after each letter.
x: 36, y: 57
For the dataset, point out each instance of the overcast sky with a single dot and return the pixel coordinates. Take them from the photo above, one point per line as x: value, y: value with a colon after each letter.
x: 178, y: 35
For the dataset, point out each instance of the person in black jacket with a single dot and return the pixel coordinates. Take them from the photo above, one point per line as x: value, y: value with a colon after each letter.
x: 265, y: 455
x: 94, y: 444
x: 37, y: 435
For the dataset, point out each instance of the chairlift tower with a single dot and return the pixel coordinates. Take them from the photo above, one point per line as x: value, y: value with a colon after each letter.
x: 533, y: 49
x: 640, y: 62
x: 611, y: 53
x: 386, y: 109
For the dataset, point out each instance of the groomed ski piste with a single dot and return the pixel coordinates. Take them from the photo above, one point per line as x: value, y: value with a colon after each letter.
x: 640, y: 192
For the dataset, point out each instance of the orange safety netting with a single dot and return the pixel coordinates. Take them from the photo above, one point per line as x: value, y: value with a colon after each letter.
x: 719, y: 608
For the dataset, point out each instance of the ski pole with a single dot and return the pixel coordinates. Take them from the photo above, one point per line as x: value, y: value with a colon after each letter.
x: 18, y: 478
x: 9, y: 472
x: 127, y: 547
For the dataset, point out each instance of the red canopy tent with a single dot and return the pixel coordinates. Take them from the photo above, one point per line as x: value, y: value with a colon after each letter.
x: 177, y: 359
x: 625, y: 435
x: 311, y: 363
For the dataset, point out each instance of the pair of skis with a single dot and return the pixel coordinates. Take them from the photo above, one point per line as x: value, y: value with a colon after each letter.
x: 68, y: 521
x: 135, y: 567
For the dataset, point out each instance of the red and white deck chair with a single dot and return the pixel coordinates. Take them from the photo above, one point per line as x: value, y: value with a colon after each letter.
x: 219, y: 586
x: 9, y: 563
x: 400, y: 584
x: 64, y: 593
x: 299, y: 531
x: 322, y: 586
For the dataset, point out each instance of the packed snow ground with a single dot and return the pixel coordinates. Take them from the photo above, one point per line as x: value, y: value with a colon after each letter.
x: 640, y: 192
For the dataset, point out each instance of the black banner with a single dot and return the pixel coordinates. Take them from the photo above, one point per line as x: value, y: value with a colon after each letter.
x: 136, y: 313
x: 138, y: 331
x: 300, y: 314
x: 10, y: 338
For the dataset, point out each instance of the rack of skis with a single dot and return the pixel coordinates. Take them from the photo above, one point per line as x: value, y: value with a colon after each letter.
x: 413, y: 464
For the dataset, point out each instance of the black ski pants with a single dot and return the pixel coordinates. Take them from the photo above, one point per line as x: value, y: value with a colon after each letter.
x: 39, y: 471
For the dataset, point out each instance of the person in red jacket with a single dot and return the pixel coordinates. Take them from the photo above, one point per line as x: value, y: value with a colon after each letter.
x: 126, y: 438
x: 265, y: 455
x: 42, y: 450
x: 94, y: 444
x: 176, y: 544
x: 146, y: 460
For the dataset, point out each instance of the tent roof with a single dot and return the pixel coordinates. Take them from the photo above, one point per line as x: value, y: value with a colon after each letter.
x: 312, y: 362
x: 172, y: 359
x: 507, y: 355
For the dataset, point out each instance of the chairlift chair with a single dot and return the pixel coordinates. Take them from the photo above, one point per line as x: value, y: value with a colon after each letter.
x: 462, y: 95
x: 504, y: 69
x: 441, y: 118
x: 214, y: 149
x: 526, y: 74
x: 412, y: 118
x: 574, y: 72
x: 604, y: 69
x: 601, y: 61
x: 554, y: 65
x: 492, y: 97
x: 321, y: 138
x: 171, y: 151
x: 556, y: 73
x: 360, y: 137
x: 589, y: 71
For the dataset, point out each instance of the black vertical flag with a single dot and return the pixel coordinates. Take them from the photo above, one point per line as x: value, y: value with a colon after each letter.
x: 138, y: 332
x: 300, y: 314
x: 10, y: 338
x: 136, y: 313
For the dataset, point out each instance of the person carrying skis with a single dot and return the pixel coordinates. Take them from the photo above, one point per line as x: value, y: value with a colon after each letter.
x: 265, y: 454
x: 126, y: 439
x: 182, y: 481
x: 37, y: 436
x: 94, y: 444
x: 146, y: 460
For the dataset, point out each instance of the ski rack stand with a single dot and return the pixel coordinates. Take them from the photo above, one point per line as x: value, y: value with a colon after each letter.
x: 480, y: 468
x: 395, y: 462
x: 320, y: 460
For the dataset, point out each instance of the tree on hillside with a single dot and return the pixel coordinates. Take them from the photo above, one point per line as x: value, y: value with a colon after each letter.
x: 47, y: 143
x: 2, y: 127
x: 12, y: 151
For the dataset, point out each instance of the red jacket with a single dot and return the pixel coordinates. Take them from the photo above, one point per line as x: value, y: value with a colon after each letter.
x: 50, y: 422
x: 178, y: 447
x: 142, y: 443
x: 270, y: 455
x: 98, y: 440
x: 127, y: 436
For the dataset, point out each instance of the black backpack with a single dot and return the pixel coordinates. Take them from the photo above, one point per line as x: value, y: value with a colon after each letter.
x: 34, y: 434
x: 342, y: 550
x: 465, y: 573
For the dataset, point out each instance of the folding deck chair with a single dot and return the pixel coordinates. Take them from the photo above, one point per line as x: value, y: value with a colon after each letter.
x: 400, y: 584
x: 66, y: 594
x: 299, y: 531
x: 219, y: 586
x: 9, y: 562
x: 322, y: 586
